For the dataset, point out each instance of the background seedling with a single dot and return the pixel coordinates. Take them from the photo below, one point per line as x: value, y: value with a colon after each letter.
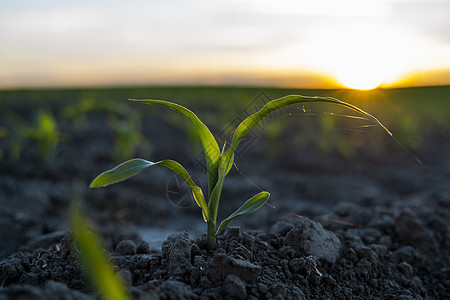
x: 125, y: 124
x: 218, y: 162
x: 4, y: 132
x: 44, y: 133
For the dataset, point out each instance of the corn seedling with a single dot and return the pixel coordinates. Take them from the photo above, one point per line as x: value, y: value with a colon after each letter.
x: 77, y: 113
x: 128, y: 137
x: 125, y: 125
x: 44, y: 133
x: 3, y: 134
x: 218, y: 162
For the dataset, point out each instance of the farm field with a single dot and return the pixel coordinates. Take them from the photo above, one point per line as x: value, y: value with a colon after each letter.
x: 353, y: 212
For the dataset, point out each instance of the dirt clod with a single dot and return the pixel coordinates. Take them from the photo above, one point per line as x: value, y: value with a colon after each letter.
x: 126, y: 247
x: 222, y: 265
x: 310, y: 238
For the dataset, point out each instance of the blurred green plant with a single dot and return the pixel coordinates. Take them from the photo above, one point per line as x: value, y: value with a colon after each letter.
x: 4, y: 132
x: 329, y: 137
x: 128, y: 137
x: 124, y: 123
x: 77, y: 113
x: 273, y: 131
x: 44, y: 133
x: 96, y: 266
x: 218, y: 162
x: 409, y: 129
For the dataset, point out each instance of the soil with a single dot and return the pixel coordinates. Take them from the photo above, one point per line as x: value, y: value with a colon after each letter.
x: 372, y: 227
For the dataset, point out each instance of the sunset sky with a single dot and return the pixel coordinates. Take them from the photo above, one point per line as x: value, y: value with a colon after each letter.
x: 295, y: 43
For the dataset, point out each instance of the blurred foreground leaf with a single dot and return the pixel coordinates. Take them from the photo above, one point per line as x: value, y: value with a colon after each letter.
x: 98, y: 268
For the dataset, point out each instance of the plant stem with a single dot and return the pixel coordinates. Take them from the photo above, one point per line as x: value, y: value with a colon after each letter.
x: 211, y: 235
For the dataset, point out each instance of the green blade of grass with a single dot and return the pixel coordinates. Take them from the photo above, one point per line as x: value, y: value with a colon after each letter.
x: 209, y: 143
x: 98, y: 268
x: 121, y: 172
x: 250, y: 206
x: 137, y: 165
x: 273, y: 105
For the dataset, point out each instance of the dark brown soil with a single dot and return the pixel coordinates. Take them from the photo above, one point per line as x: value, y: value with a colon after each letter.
x: 374, y: 227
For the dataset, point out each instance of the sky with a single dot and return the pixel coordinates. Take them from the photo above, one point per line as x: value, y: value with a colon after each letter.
x: 295, y: 43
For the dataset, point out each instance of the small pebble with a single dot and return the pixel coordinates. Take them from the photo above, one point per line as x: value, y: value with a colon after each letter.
x: 367, y: 253
x: 126, y: 247
x: 143, y: 247
x: 406, y: 269
x: 232, y: 231
x: 281, y: 227
x: 407, y: 254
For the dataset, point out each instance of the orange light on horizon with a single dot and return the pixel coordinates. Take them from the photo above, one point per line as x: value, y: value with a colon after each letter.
x: 357, y: 82
x: 363, y: 57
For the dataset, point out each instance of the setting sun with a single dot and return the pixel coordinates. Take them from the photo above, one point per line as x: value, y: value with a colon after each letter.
x: 359, y: 79
x: 362, y: 57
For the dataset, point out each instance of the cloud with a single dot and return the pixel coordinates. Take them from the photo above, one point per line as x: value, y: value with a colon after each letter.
x: 429, y: 18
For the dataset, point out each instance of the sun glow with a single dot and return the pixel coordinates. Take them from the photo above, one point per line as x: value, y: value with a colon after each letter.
x: 361, y: 63
x: 359, y: 79
x: 360, y: 57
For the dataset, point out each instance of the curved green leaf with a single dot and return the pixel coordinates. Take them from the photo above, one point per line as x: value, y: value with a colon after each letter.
x: 98, y: 268
x: 137, y: 165
x: 209, y: 143
x: 273, y: 105
x: 121, y: 172
x: 251, y: 205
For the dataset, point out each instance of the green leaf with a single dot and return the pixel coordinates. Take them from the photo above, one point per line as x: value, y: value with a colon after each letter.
x: 137, y: 165
x: 121, y: 172
x: 276, y: 104
x: 209, y: 143
x: 98, y: 268
x: 251, y: 205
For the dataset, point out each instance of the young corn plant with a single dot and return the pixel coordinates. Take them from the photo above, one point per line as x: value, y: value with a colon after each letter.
x: 218, y: 162
x: 45, y: 134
